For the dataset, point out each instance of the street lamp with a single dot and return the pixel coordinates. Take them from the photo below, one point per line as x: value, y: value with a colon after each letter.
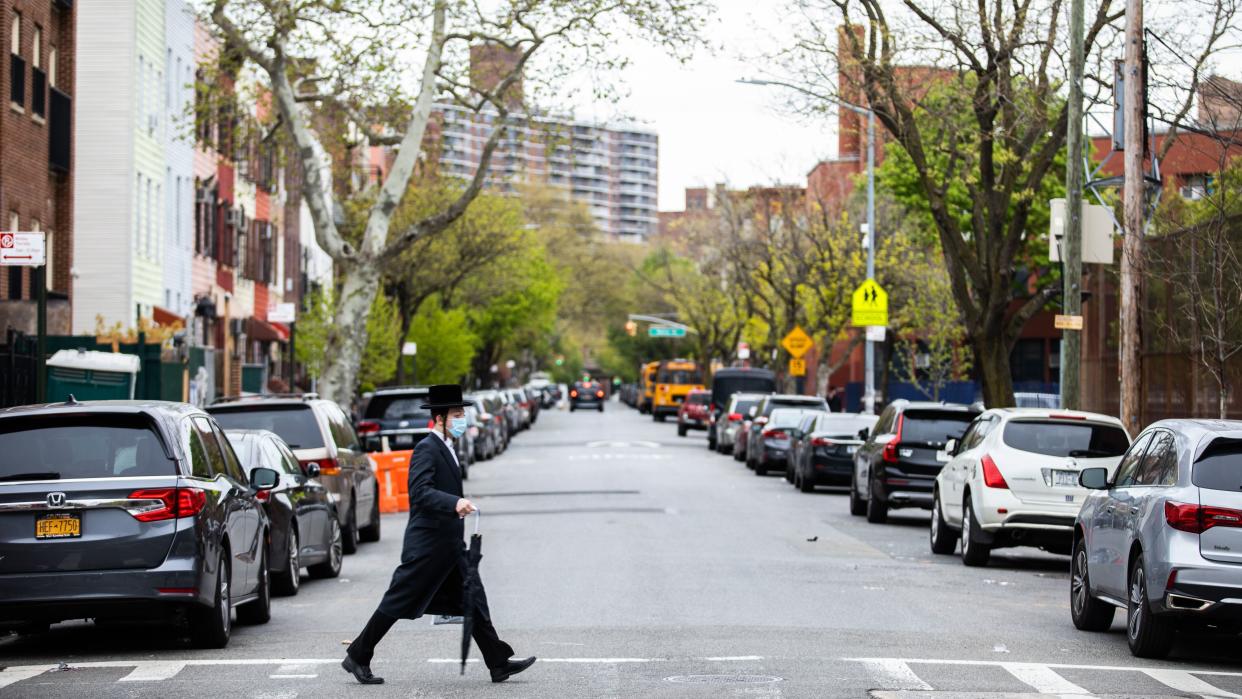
x: 869, y: 392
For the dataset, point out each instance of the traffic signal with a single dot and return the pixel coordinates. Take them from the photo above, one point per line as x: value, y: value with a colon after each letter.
x: 560, y: 360
x: 631, y: 328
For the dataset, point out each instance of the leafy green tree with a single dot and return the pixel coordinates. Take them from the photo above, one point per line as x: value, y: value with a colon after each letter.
x: 383, y: 348
x: 379, y: 363
x: 446, y: 344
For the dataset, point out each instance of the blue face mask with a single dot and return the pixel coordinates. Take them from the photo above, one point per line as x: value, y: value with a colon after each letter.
x: 457, y: 426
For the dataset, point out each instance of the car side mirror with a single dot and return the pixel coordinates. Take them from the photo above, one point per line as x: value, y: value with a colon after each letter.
x: 1093, y: 478
x: 263, y: 478
x: 864, y: 433
x: 950, y: 447
x: 312, y: 470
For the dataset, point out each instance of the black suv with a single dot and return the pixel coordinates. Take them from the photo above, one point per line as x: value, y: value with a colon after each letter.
x: 898, y: 462
x: 395, y: 414
x: 586, y: 394
x: 319, y: 433
x: 129, y: 510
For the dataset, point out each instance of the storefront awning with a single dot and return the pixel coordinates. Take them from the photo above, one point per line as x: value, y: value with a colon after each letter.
x: 264, y: 331
x: 165, y: 317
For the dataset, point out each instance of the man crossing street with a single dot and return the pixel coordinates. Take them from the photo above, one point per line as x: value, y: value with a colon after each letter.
x: 433, y: 555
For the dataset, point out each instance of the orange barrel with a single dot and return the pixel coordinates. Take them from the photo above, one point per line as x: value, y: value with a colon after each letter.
x: 392, y: 470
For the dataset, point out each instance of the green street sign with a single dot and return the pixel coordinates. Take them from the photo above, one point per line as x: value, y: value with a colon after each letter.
x: 665, y: 331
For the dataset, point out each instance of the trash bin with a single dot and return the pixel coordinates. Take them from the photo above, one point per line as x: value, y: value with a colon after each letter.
x: 91, y: 375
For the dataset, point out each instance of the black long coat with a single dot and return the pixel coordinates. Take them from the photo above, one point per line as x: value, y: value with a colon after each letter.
x: 433, y: 557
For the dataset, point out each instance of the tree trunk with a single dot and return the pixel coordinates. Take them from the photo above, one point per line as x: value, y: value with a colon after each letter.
x: 347, y: 339
x: 407, y: 317
x: 992, y: 358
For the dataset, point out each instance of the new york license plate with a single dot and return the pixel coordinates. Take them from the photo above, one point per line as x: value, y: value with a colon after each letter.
x: 61, y: 525
x: 1065, y: 478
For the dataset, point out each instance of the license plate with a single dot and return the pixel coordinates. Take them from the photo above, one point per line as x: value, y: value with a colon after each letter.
x: 1065, y: 478
x: 851, y: 450
x: 404, y: 439
x: 62, y: 525
x: 942, y: 455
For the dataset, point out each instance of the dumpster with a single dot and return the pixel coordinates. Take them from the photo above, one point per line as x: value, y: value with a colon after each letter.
x: 91, y: 375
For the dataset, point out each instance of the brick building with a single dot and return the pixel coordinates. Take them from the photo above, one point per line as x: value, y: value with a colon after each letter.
x: 36, y: 152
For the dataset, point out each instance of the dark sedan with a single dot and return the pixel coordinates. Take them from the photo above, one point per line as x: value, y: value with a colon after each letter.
x: 129, y: 510
x: 304, y: 527
x: 823, y: 453
x: 770, y: 447
x: 586, y: 394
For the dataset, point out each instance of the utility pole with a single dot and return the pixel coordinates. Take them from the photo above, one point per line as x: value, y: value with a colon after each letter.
x: 1132, y: 244
x: 1071, y: 254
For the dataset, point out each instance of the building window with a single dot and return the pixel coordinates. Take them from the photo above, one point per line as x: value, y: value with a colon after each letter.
x: 15, y: 35
x: 17, y: 64
x: 51, y: 66
x: 36, y: 48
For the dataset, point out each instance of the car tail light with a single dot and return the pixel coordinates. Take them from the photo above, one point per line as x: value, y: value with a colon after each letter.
x: 735, y: 417
x: 327, y: 467
x: 1197, y: 519
x: 889, y: 453
x: 573, y: 394
x: 366, y: 427
x: 1064, y: 416
x: 167, y: 503
x: 822, y: 442
x: 775, y: 434
x: 599, y: 394
x: 992, y: 477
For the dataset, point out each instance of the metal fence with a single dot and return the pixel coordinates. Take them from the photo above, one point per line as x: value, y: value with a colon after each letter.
x: 18, y: 362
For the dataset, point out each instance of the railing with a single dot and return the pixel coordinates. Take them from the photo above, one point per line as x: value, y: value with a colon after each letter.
x: 17, y: 370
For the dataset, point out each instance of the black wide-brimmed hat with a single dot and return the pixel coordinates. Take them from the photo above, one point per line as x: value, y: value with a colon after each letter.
x: 446, y: 395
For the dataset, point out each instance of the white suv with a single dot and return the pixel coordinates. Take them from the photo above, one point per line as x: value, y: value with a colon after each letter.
x: 1012, y: 479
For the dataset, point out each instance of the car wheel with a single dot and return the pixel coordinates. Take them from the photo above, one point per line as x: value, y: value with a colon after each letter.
x: 974, y: 552
x: 286, y: 582
x: 1150, y: 636
x: 803, y: 482
x: 1088, y: 613
x: 941, y: 540
x: 349, y: 541
x: 371, y: 532
x: 601, y: 407
x: 658, y: 417
x: 877, y: 510
x: 210, y: 626
x: 331, y: 566
x: 761, y: 468
x: 738, y: 455
x: 711, y: 440
x: 681, y: 430
x: 259, y: 611
x: 858, y: 506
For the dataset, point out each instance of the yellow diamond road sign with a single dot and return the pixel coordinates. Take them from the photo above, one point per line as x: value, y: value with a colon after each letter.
x: 797, y: 342
x: 870, y: 304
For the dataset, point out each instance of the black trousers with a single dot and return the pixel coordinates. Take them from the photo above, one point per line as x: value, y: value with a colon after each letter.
x: 495, y: 651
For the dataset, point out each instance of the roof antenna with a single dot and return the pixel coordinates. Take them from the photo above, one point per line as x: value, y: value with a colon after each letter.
x: 72, y: 400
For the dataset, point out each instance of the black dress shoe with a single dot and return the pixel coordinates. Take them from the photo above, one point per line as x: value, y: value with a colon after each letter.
x: 511, y: 668
x: 361, y: 672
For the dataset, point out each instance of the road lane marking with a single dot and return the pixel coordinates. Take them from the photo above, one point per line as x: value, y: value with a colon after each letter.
x: 727, y: 658
x: 1043, y: 679
x: 17, y: 673
x: 294, y: 671
x: 1060, y: 666
x: 154, y: 671
x: 894, y: 674
x: 1183, y: 681
x: 601, y: 661
x: 293, y: 677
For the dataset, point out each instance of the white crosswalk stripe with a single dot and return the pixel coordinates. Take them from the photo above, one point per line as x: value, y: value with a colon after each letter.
x: 154, y: 671
x: 1044, y: 678
x: 12, y: 675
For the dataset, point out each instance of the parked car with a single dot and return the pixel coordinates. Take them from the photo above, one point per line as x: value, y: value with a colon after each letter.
x: 319, y: 433
x: 730, y: 381
x: 1162, y: 536
x: 769, y: 447
x: 763, y: 411
x: 586, y: 394
x: 492, y: 407
x: 728, y: 424
x: 395, y: 416
x: 694, y: 413
x: 898, y: 462
x: 511, y: 411
x: 823, y: 452
x: 521, y: 407
x: 1012, y: 479
x: 304, y: 529
x: 128, y: 510
x: 483, y: 436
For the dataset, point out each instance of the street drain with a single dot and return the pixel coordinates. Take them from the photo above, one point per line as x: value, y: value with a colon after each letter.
x: 722, y: 679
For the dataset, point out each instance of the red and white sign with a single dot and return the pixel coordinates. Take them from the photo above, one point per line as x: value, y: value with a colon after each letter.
x: 281, y: 313
x: 22, y: 249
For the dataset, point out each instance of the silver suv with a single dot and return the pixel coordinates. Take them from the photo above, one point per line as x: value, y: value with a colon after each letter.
x: 318, y: 432
x: 1162, y: 538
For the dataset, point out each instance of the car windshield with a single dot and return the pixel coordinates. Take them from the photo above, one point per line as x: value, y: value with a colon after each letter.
x: 933, y: 427
x: 1055, y: 438
x: 56, y: 448
x: 681, y: 377
x: 295, y: 424
x: 800, y: 403
x: 725, y: 386
x: 785, y: 417
x: 843, y: 425
x: 1220, y: 468
x: 398, y: 407
x: 744, y: 406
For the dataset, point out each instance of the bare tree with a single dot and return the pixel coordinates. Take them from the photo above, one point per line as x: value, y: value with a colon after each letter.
x: 384, y: 64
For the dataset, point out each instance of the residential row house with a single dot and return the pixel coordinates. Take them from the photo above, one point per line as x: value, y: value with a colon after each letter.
x: 187, y: 221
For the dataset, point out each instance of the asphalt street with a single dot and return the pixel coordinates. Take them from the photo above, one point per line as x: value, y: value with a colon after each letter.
x: 635, y: 563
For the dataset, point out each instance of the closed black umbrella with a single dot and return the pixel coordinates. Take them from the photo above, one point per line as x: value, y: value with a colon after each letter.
x: 472, y: 590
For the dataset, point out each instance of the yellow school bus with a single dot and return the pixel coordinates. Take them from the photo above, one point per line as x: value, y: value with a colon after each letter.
x: 646, y: 384
x: 674, y: 379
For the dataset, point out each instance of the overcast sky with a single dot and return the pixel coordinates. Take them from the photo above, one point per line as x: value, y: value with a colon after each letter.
x: 711, y: 128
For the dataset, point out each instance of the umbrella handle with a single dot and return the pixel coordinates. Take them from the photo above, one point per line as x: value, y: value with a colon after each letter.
x: 478, y: 514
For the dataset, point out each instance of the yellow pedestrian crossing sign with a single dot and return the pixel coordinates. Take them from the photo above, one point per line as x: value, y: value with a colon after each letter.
x: 870, y: 305
x: 797, y: 342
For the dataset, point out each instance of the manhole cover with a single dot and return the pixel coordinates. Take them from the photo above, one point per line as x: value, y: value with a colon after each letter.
x: 722, y: 679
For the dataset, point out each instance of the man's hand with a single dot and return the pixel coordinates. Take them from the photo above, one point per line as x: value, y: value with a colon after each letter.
x: 464, y: 507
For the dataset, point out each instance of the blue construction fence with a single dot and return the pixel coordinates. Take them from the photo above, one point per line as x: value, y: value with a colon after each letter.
x: 1028, y: 393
